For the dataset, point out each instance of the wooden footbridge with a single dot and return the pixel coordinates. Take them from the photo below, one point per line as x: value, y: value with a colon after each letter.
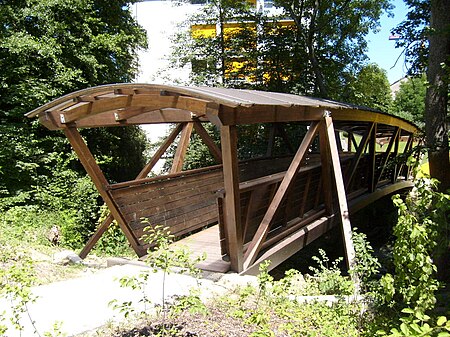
x: 339, y: 159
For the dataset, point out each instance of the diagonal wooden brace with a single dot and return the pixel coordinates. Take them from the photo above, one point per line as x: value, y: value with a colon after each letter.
x: 144, y: 172
x: 263, y: 229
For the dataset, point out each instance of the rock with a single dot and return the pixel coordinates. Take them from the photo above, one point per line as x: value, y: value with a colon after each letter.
x: 54, y: 235
x: 65, y: 257
x: 233, y: 280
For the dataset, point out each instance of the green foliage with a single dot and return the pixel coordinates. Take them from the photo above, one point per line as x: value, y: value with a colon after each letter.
x: 366, y: 265
x: 414, y: 31
x: 405, y: 300
x: 420, y: 230
x: 198, y: 154
x: 409, y: 101
x: 271, y: 55
x: 113, y: 242
x: 371, y: 88
x: 276, y: 308
x: 16, y: 279
x: 328, y: 278
x: 417, y: 324
x: 49, y: 48
x: 61, y: 197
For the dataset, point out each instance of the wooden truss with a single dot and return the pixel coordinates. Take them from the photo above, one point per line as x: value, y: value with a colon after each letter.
x: 267, y: 208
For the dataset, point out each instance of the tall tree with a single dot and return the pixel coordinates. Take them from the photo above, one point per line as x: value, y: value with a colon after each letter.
x: 312, y: 48
x: 214, y: 40
x: 371, y: 88
x: 332, y: 34
x: 49, y: 48
x: 426, y: 42
x: 409, y: 100
x: 436, y: 105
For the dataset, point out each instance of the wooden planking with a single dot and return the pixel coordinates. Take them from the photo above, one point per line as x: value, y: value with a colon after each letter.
x: 371, y: 117
x: 165, y: 188
x: 144, y: 172
x: 208, y: 242
x: 185, y: 224
x: 260, y: 190
x: 267, y: 114
x: 120, y: 101
x: 290, y: 245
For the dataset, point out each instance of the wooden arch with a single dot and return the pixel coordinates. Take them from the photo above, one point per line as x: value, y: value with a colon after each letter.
x: 312, y: 193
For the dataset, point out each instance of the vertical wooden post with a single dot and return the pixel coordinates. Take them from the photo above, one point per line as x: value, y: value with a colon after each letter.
x: 326, y: 169
x: 340, y: 189
x: 178, y: 160
x: 338, y: 141
x: 100, y: 182
x: 271, y: 141
x: 349, y: 142
x: 396, y: 146
x: 372, y: 156
x: 232, y: 212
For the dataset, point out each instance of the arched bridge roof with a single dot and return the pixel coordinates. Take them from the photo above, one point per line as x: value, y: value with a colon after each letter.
x: 131, y: 104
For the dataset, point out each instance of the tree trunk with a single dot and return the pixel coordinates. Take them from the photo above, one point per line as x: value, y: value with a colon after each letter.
x: 437, y: 94
x: 436, y: 126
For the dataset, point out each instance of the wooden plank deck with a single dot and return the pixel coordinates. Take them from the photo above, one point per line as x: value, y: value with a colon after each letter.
x: 206, y: 241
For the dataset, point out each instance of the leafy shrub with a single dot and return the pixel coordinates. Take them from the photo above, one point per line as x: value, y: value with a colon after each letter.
x: 421, y: 223
x: 328, y: 278
x: 366, y: 265
x: 113, y: 242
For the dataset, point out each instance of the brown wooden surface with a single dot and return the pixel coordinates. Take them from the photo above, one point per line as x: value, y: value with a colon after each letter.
x: 231, y: 202
x: 183, y: 203
x: 208, y: 242
x: 262, y: 231
x: 144, y: 172
x: 178, y: 160
x: 325, y: 159
x: 341, y: 196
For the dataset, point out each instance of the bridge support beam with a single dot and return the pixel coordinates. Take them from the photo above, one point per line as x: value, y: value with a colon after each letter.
x: 340, y: 190
x: 232, y: 208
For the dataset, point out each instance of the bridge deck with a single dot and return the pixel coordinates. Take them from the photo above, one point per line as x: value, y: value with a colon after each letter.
x: 206, y: 241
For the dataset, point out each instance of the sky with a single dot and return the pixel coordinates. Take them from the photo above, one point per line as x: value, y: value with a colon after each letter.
x: 381, y: 50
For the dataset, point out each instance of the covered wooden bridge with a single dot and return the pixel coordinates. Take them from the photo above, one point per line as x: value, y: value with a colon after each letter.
x: 266, y: 207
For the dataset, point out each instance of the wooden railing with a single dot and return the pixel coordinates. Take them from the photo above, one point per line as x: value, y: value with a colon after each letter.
x: 184, y: 202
